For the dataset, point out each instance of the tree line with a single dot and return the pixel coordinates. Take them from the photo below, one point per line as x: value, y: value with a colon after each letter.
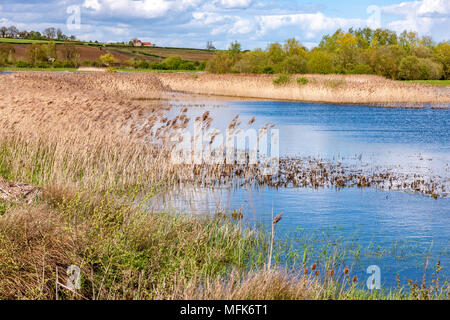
x: 358, y: 51
x: 48, y: 34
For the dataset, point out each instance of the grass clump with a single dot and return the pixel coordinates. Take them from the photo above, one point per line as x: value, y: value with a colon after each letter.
x: 302, y: 81
x: 282, y: 80
x: 123, y: 251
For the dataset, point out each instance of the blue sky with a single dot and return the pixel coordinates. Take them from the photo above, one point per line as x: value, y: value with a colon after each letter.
x: 254, y: 23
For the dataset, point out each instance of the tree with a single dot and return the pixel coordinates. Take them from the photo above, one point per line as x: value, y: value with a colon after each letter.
x: 410, y: 68
x: 292, y: 65
x: 50, y: 33
x: 275, y: 53
x: 346, y: 48
x: 12, y: 32
x: 24, y: 34
x: 50, y: 51
x: 59, y: 34
x: 219, y: 63
x: 442, y: 54
x: 107, y: 59
x: 70, y: 53
x: 235, y: 48
x: 173, y: 63
x: 35, y: 35
x: 319, y: 62
x: 385, y: 60
x: 293, y: 47
x: 430, y: 70
x: 210, y: 46
x: 6, y: 53
x: 251, y: 62
x: 36, y: 54
x: 3, y: 32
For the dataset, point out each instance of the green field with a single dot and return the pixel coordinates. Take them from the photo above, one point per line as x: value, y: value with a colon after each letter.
x: 432, y: 82
x: 27, y: 41
x: 76, y: 70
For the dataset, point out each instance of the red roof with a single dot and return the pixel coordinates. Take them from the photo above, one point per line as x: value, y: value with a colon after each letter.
x: 146, y: 43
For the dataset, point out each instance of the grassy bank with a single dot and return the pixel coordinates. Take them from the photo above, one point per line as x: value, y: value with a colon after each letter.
x: 432, y: 82
x: 81, y: 70
x: 357, y: 89
x: 84, y: 141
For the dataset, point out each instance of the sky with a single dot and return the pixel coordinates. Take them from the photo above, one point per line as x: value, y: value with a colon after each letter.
x: 254, y: 23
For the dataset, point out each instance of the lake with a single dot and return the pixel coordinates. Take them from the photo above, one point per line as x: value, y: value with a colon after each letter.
x: 405, y: 234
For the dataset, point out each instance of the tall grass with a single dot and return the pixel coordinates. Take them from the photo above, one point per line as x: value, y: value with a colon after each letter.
x: 95, y: 154
x: 359, y: 89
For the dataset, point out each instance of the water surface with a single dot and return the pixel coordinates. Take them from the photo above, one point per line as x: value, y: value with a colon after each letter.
x: 403, y: 233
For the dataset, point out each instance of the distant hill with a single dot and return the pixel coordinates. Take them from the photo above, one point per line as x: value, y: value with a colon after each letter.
x: 92, y: 51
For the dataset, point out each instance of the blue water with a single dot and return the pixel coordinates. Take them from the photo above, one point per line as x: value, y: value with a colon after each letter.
x: 404, y: 234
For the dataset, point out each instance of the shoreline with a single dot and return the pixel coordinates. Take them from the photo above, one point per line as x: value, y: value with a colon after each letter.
x: 333, y: 89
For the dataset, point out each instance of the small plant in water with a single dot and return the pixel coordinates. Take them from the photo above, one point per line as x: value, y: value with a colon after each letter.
x: 274, y: 222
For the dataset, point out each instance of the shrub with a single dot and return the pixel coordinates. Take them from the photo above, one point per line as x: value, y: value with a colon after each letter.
x: 302, y: 81
x: 86, y: 63
x: 202, y: 66
x: 107, y: 59
x: 173, y: 63
x: 362, y: 69
x: 320, y: 62
x: 158, y: 66
x: 42, y: 64
x: 282, y: 79
x: 220, y: 63
x: 143, y: 65
x: 58, y: 64
x: 292, y: 65
x: 410, y: 68
x: 69, y: 64
x: 6, y: 53
x: 22, y: 64
x: 111, y: 69
x: 268, y: 70
x: 187, y: 66
x: 430, y: 70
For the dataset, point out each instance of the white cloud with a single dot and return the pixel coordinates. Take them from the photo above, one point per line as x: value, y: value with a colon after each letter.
x: 235, y: 4
x: 92, y: 4
x: 422, y: 16
x: 309, y: 23
x: 146, y: 9
x: 242, y: 26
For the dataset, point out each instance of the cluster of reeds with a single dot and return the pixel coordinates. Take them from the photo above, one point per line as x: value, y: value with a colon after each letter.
x: 358, y: 89
x: 98, y: 156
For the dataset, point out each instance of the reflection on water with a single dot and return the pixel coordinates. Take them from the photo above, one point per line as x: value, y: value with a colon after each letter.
x: 397, y: 231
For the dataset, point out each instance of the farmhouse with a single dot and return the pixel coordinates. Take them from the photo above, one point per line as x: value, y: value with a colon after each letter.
x: 139, y: 43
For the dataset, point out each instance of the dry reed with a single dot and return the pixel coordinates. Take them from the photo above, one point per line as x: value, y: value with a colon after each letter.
x: 357, y: 89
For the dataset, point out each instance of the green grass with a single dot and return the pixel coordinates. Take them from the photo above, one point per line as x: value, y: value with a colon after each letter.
x: 432, y: 82
x: 76, y: 70
x: 28, y: 41
x: 154, y: 70
x: 282, y: 80
x: 39, y: 69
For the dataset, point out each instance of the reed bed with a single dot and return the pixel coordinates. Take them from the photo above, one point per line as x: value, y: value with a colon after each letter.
x: 352, y: 89
x: 97, y: 154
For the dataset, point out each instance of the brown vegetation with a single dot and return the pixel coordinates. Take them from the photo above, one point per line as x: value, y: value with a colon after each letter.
x: 91, y: 146
x: 359, y: 89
